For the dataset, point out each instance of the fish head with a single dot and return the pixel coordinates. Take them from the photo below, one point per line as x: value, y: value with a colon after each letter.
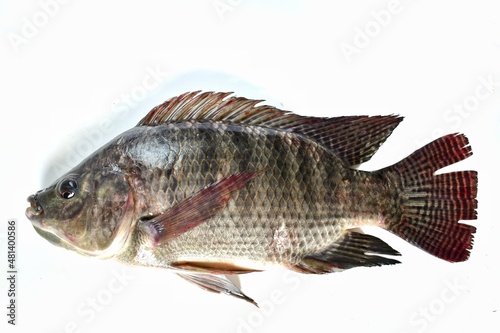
x: 89, y: 212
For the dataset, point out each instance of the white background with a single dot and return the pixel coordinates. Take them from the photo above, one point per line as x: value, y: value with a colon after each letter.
x: 76, y: 74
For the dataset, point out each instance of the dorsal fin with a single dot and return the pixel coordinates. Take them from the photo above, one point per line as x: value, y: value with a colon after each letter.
x: 354, y: 139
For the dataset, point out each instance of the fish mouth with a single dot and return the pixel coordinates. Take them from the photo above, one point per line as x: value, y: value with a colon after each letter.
x: 35, y: 210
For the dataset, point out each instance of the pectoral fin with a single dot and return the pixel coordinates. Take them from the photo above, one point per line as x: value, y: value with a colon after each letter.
x: 194, y: 210
x: 215, y: 283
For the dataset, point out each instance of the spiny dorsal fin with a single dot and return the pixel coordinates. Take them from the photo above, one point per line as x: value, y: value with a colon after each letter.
x: 211, y: 106
x: 354, y: 139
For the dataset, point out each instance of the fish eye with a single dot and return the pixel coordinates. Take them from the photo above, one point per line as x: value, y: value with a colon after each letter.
x: 68, y: 188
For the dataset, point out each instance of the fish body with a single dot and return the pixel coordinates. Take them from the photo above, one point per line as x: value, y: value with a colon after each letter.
x: 282, y: 214
x: 208, y: 185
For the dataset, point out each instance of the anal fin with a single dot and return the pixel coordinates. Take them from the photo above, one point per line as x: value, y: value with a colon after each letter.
x: 354, y: 249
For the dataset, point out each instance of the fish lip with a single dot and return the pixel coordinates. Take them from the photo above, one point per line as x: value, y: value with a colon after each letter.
x: 35, y: 210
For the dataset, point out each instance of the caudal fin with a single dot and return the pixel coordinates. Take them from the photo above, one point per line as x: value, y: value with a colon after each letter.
x: 433, y: 204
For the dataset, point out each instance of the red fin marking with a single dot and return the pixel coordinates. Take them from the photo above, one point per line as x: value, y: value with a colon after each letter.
x: 433, y: 204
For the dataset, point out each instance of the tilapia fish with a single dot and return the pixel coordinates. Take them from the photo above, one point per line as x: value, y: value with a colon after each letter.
x: 208, y: 185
